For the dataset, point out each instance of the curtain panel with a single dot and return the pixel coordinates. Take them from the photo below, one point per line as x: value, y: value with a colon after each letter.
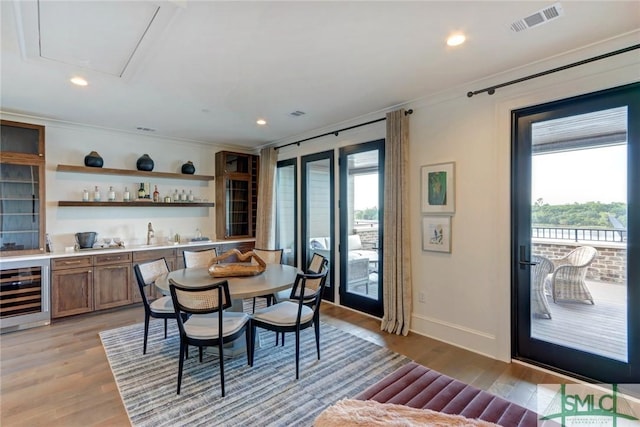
x: 265, y: 235
x: 396, y: 275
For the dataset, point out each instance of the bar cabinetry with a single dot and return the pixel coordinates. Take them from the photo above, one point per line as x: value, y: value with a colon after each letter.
x: 83, y: 284
x: 71, y: 286
x: 236, y: 194
x: 22, y: 190
x: 112, y: 280
x: 86, y: 283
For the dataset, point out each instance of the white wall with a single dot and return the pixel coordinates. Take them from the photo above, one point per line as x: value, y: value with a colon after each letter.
x: 68, y: 144
x: 468, y: 291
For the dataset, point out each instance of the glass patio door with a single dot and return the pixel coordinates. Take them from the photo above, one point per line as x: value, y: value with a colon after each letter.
x: 286, y: 210
x: 361, y: 220
x: 576, y: 227
x: 317, y: 193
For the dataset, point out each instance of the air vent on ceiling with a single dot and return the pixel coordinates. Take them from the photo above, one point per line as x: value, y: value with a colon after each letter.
x: 540, y: 17
x: 297, y: 113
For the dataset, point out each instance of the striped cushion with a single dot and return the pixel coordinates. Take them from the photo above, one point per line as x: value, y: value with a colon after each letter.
x: 420, y: 387
x: 205, y: 326
x: 283, y: 314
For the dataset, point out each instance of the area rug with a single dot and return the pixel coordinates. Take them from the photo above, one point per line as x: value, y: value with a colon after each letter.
x: 265, y: 395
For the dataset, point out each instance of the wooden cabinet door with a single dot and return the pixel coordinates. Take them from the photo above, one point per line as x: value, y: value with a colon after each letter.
x: 71, y: 292
x: 112, y: 286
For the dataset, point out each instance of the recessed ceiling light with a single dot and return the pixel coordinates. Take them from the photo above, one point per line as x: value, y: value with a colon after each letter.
x: 456, y: 39
x: 79, y: 81
x: 261, y: 122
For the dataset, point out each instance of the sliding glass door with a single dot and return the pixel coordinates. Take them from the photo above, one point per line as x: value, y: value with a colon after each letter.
x: 361, y: 185
x: 317, y: 172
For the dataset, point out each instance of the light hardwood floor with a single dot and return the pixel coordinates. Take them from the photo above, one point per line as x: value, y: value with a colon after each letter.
x: 58, y: 375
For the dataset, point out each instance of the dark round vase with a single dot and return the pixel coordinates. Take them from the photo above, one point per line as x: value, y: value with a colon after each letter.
x: 93, y: 160
x: 145, y: 163
x: 188, y: 168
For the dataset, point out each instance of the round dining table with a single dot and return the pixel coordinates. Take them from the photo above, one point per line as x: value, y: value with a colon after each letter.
x: 275, y: 278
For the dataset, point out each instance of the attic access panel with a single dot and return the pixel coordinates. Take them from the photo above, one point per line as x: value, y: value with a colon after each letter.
x: 99, y: 35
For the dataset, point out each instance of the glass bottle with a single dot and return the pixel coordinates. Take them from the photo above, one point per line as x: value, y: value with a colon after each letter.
x: 190, y: 197
x: 183, y: 196
x: 141, y: 192
x: 156, y: 195
x: 112, y: 195
x: 96, y: 194
x: 126, y: 196
x: 176, y: 196
x: 85, y: 195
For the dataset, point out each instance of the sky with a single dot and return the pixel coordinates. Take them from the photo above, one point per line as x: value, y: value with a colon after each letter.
x: 591, y: 175
x: 366, y: 191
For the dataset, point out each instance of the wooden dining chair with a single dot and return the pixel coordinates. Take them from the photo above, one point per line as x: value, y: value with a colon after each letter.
x: 269, y: 256
x: 208, y: 324
x: 295, y: 314
x: 193, y: 259
x: 317, y: 262
x: 161, y: 308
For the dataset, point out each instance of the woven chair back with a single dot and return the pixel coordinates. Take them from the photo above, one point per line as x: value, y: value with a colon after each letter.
x: 208, y: 299
x: 194, y: 259
x: 150, y: 271
x: 269, y: 256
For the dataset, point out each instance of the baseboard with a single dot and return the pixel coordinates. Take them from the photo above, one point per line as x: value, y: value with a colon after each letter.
x: 456, y: 335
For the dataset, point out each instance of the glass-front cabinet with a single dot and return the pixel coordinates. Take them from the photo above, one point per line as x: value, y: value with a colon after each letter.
x: 22, y: 190
x: 236, y: 194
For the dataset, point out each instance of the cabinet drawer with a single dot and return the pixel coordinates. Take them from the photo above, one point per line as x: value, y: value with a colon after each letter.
x: 116, y: 258
x: 153, y: 254
x: 72, y: 262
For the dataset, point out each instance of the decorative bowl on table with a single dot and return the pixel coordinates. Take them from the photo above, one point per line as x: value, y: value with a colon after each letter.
x: 236, y: 269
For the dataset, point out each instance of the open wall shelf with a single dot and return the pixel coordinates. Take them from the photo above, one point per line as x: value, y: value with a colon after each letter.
x: 127, y: 172
x: 136, y: 204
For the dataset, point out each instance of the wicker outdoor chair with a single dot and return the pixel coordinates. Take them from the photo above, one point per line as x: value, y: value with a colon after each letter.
x: 567, y: 280
x: 542, y: 268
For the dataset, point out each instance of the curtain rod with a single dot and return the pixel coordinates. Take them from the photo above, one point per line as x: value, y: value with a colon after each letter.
x: 492, y: 89
x: 337, y: 132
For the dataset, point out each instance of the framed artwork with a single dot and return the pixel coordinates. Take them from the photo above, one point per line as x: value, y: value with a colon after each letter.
x: 436, y: 233
x: 438, y: 188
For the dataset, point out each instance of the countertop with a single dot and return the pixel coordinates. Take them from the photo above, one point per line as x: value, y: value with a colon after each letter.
x: 63, y: 254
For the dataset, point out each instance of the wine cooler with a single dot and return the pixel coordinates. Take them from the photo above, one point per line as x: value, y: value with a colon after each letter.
x: 24, y: 294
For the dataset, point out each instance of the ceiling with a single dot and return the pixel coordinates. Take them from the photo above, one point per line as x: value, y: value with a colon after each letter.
x: 207, y: 70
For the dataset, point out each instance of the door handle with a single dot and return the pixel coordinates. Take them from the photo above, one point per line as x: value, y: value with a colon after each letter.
x: 523, y: 261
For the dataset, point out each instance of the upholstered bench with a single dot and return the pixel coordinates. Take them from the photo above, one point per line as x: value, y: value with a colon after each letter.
x: 416, y: 386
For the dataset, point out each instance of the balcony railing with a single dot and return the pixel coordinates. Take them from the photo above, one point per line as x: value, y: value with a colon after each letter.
x: 580, y: 234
